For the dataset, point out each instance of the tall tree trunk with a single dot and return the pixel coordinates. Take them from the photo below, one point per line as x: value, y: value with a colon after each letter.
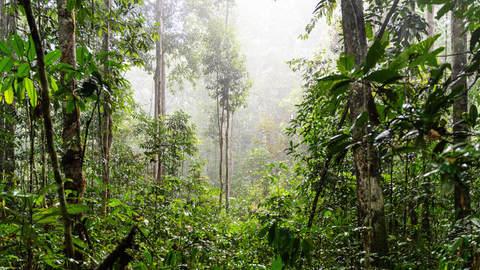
x: 72, y: 159
x: 431, y: 22
x: 459, y: 61
x: 107, y: 135
x: 227, y: 163
x: 367, y: 167
x: 49, y: 133
x: 159, y: 80
x: 10, y: 109
x: 3, y: 25
x: 220, y: 144
x: 72, y: 143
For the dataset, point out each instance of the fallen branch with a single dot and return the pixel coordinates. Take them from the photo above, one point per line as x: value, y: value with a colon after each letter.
x: 120, y: 252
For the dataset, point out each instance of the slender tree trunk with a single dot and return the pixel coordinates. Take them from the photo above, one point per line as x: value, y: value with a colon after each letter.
x: 459, y: 61
x: 10, y: 109
x: 49, y: 133
x: 107, y: 135
x: 431, y: 23
x: 3, y: 25
x: 227, y: 164
x: 220, y: 144
x: 367, y: 167
x: 159, y: 80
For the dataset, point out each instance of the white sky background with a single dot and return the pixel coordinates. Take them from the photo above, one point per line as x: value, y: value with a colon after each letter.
x: 264, y: 27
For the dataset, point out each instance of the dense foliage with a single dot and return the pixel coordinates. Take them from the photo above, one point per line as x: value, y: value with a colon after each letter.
x: 293, y: 192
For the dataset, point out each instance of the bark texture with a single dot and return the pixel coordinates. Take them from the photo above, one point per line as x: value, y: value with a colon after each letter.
x: 367, y: 167
x: 460, y: 106
x: 72, y: 143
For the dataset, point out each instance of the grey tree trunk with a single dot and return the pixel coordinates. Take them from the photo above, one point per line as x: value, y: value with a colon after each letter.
x: 459, y: 61
x: 367, y: 167
x: 107, y: 134
x: 227, y: 163
x: 159, y: 80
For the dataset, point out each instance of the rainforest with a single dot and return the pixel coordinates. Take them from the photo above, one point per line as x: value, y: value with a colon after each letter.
x: 239, y: 134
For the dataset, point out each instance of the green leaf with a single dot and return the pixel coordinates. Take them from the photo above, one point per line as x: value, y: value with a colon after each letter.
x: 53, y: 83
x: 453, y: 248
x: 81, y: 54
x: 51, y: 57
x: 114, y: 202
x: 263, y: 231
x: 473, y: 116
x: 19, y: 91
x: 346, y: 63
x: 307, y: 248
x: 277, y: 264
x: 23, y: 70
x: 5, y: 48
x: 9, y: 95
x: 32, y: 93
x: 81, y: 105
x: 333, y: 78
x: 17, y: 44
x: 446, y: 8
x: 30, y: 49
x: 70, y: 5
x: 6, y: 64
x: 368, y: 29
x: 112, y: 63
x: 77, y: 208
x: 70, y: 105
x: 376, y: 51
x: 271, y: 233
x: 7, y: 83
x: 475, y: 38
x: 382, y: 76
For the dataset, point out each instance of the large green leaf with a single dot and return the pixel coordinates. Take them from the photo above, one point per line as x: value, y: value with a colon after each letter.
x: 23, y: 70
x: 382, y: 76
x: 7, y: 83
x: 277, y: 264
x: 5, y: 48
x: 32, y: 93
x: 9, y: 95
x: 475, y: 38
x: 6, y: 64
x: 30, y: 49
x: 17, y: 44
x: 52, y: 56
x: 376, y: 51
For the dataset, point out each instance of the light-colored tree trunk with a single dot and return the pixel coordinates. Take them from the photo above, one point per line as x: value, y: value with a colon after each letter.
x: 367, y: 167
x: 49, y: 134
x: 72, y: 158
x: 159, y: 81
x: 227, y: 163
x: 107, y: 135
x: 459, y: 61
